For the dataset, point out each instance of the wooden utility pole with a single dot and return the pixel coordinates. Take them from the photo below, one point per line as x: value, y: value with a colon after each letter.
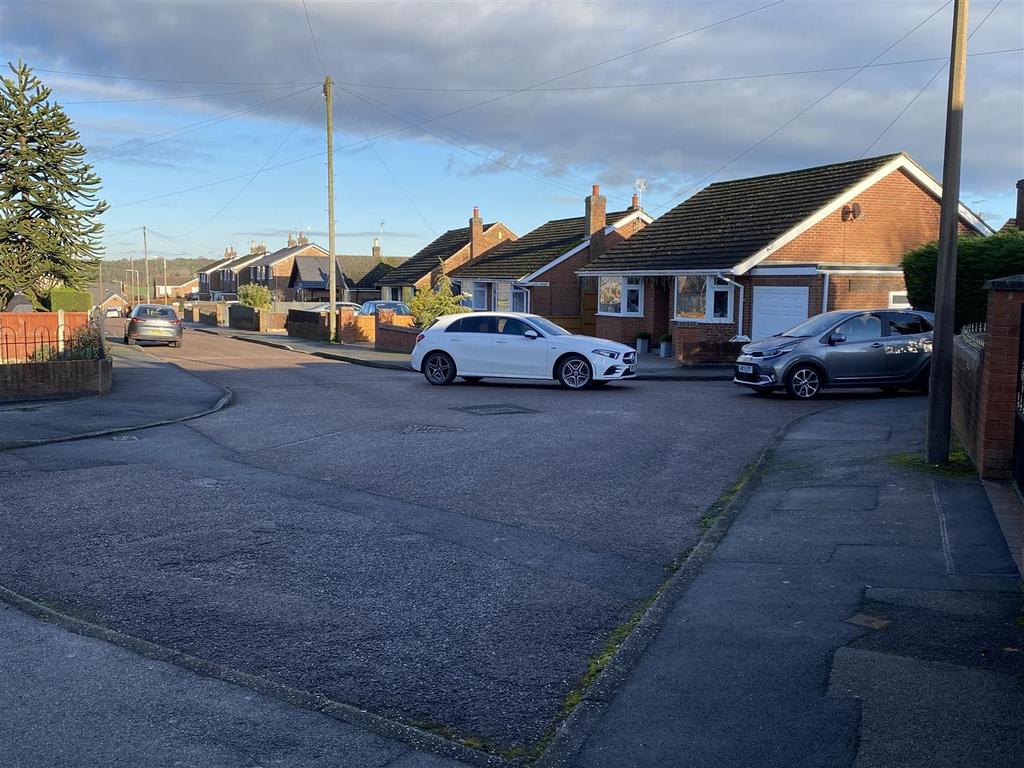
x: 145, y: 256
x: 332, y: 283
x: 940, y: 385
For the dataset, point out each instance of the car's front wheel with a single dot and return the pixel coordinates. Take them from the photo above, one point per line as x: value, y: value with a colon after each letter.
x: 574, y: 372
x: 803, y: 382
x: 439, y: 368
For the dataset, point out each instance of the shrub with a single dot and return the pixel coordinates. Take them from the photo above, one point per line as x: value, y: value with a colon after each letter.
x: 428, y: 305
x: 643, y: 335
x: 255, y: 296
x: 979, y: 259
x: 70, y: 300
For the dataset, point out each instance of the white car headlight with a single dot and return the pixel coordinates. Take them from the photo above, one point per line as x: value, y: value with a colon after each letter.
x: 606, y: 353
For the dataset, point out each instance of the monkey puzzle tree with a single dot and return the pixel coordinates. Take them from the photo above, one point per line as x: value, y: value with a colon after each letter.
x: 48, y: 194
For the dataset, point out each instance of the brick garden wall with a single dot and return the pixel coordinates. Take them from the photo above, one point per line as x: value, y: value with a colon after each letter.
x: 985, y: 384
x: 57, y: 378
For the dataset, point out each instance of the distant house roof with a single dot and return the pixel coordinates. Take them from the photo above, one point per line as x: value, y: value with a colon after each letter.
x: 272, y: 258
x: 1010, y: 225
x: 219, y: 264
x: 426, y: 260
x: 110, y: 289
x: 732, y: 222
x: 515, y: 259
x: 359, y: 272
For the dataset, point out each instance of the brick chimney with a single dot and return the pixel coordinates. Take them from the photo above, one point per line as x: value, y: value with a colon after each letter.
x: 1020, y: 204
x: 476, y: 235
x: 635, y: 205
x: 596, y: 209
x: 291, y: 241
x: 302, y: 239
x: 376, y: 249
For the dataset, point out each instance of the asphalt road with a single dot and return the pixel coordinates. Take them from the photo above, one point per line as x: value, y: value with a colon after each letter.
x: 359, y: 534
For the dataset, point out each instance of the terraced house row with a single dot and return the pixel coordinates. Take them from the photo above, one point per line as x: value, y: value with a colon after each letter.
x: 737, y: 260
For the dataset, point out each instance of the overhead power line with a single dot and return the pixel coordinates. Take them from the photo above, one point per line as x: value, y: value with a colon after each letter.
x: 803, y: 111
x: 163, y: 80
x: 178, y: 96
x: 939, y: 71
x: 661, y: 83
x: 316, y: 47
x: 255, y: 175
x: 133, y: 145
x: 387, y: 168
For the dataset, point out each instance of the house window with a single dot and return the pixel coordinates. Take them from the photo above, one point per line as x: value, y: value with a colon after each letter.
x: 620, y: 296
x: 703, y: 299
x: 479, y: 295
x: 898, y: 300
x: 520, y: 299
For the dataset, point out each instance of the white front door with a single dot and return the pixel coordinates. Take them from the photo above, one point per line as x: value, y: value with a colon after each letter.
x: 777, y: 308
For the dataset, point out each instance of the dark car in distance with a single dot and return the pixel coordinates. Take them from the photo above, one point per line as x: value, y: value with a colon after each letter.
x: 858, y: 348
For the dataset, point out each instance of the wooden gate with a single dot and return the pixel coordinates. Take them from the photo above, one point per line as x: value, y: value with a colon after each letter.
x: 588, y: 312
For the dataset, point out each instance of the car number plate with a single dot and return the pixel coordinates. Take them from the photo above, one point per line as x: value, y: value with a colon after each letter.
x: 162, y: 331
x: 745, y: 368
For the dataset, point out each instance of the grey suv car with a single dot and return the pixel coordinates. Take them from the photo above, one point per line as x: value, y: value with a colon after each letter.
x: 885, y: 348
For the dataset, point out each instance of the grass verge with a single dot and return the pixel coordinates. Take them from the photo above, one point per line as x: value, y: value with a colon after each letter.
x: 959, y: 466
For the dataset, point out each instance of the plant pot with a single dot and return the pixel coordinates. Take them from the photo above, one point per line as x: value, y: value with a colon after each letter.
x: 666, y: 349
x: 642, y: 346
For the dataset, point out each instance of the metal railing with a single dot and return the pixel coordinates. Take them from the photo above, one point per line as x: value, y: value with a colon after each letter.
x: 974, y: 335
x: 42, y: 345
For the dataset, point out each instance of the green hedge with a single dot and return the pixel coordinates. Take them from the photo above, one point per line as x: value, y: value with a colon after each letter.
x: 70, y: 300
x: 978, y: 260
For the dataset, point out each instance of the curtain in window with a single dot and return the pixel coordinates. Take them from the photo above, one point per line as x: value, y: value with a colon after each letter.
x: 691, y: 296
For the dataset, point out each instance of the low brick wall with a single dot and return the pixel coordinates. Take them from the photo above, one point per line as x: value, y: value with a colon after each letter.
x: 243, y: 318
x: 695, y: 345
x: 395, y: 338
x: 968, y: 402
x: 57, y: 378
x: 356, y: 329
x: 272, y: 321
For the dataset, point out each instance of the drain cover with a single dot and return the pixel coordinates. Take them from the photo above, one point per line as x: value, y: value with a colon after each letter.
x: 501, y: 409
x: 124, y: 437
x: 427, y: 429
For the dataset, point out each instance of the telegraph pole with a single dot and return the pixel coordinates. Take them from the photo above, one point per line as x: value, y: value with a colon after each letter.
x: 331, y: 263
x: 145, y: 256
x: 940, y: 385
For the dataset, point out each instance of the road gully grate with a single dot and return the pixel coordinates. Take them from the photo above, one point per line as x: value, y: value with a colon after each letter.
x: 427, y: 429
x: 501, y: 409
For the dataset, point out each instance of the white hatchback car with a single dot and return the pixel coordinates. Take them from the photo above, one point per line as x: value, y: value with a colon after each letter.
x: 512, y: 345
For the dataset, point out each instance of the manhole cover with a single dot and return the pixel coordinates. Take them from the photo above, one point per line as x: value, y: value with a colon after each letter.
x: 122, y: 438
x: 426, y: 429
x: 501, y: 409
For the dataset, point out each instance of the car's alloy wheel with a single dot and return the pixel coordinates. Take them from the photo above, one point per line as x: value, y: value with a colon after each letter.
x: 804, y: 383
x: 575, y: 373
x: 438, y: 368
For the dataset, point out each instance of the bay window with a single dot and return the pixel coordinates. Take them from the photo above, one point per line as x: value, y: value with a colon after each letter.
x: 703, y: 299
x: 620, y: 296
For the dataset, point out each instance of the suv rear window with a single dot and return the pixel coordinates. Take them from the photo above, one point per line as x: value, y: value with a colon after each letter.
x: 907, y: 324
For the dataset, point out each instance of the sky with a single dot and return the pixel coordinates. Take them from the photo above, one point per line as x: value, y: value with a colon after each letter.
x: 207, y: 121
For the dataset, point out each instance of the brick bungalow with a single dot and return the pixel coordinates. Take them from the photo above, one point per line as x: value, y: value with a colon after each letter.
x: 455, y: 248
x: 749, y: 258
x: 537, y: 272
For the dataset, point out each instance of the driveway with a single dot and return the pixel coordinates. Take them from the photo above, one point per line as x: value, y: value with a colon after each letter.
x: 447, y: 557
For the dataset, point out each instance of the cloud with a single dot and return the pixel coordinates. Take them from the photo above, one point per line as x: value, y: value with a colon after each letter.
x: 675, y: 135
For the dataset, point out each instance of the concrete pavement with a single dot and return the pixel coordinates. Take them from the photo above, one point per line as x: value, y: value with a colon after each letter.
x: 861, y: 610
x: 145, y: 391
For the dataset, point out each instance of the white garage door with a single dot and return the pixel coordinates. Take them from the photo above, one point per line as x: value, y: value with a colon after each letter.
x: 777, y: 308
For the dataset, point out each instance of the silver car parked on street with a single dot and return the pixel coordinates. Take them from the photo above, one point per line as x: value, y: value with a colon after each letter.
x: 886, y: 348
x: 153, y: 322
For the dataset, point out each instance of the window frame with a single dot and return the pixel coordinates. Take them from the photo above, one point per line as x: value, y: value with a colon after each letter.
x: 893, y: 295
x: 624, y: 287
x: 482, y: 287
x: 711, y: 287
